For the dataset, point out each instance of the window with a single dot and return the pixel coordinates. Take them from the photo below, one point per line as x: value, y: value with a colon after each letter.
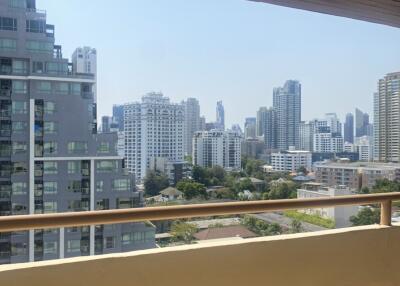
x: 19, y: 147
x: 19, y: 209
x: 38, y: 67
x: 99, y: 186
x: 43, y: 87
x: 50, y: 168
x: 62, y: 88
x: 17, y: 4
x: 8, y: 24
x: 50, y: 188
x: 103, y: 204
x: 77, y: 147
x: 74, y: 186
x: 8, y: 45
x: 19, y: 168
x: 124, y: 203
x: 35, y: 26
x: 50, y: 127
x: 74, y: 245
x: 109, y: 242
x: 19, y: 86
x: 50, y: 148
x: 78, y: 205
x: 121, y: 185
x: 104, y: 147
x: 50, y: 207
x: 106, y: 166
x: 18, y: 248
x: 56, y: 68
x: 39, y: 46
x: 75, y: 88
x: 50, y: 247
x: 49, y: 107
x: 19, y: 188
x: 19, y: 107
x: 74, y: 167
x: 19, y: 66
x: 38, y: 189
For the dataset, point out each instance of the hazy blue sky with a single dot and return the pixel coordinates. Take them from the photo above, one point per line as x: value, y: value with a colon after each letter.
x: 231, y: 50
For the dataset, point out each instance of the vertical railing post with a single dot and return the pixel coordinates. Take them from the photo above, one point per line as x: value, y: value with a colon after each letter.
x: 386, y: 213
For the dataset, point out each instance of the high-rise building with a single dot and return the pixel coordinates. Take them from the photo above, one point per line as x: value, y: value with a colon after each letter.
x: 217, y: 148
x: 261, y: 114
x: 270, y: 129
x: 220, y: 122
x: 333, y: 122
x: 202, y: 123
x: 349, y: 128
x: 250, y: 125
x: 154, y: 128
x: 192, y: 122
x: 118, y: 115
x: 362, y: 125
x: 108, y: 124
x: 306, y: 130
x: 51, y: 157
x: 287, y: 104
x: 84, y: 61
x: 236, y: 128
x: 327, y: 142
x: 387, y: 120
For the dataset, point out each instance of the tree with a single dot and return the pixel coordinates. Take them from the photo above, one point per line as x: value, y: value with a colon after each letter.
x: 154, y: 182
x: 366, y: 216
x: 183, y: 231
x: 296, y: 226
x: 200, y: 175
x: 246, y: 184
x: 386, y: 186
x: 364, y: 190
x: 261, y: 227
x: 284, y: 190
x: 192, y: 189
x: 303, y: 170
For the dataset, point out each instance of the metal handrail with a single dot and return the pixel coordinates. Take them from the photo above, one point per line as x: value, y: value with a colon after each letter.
x: 42, y: 221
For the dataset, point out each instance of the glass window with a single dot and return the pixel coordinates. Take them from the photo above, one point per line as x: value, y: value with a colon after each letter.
x: 19, y: 248
x: 19, y: 188
x: 43, y: 86
x: 8, y: 24
x: 19, y: 168
x: 49, y: 107
x: 74, y: 186
x: 17, y: 3
x: 36, y: 26
x: 103, y: 204
x: 50, y: 207
x: 121, y: 185
x: 74, y: 245
x: 62, y: 88
x: 56, y: 68
x: 99, y: 186
x: 38, y: 189
x: 106, y: 166
x: 104, y: 147
x: 19, y: 86
x: 77, y: 147
x: 50, y: 247
x: 39, y: 46
x: 50, y: 148
x: 8, y: 45
x: 50, y: 188
x: 38, y: 67
x: 19, y: 126
x: 50, y: 127
x: 19, y: 147
x: 19, y: 107
x: 75, y: 88
x: 109, y: 242
x: 19, y: 209
x: 50, y: 168
x: 19, y: 66
x: 124, y: 203
x: 74, y: 167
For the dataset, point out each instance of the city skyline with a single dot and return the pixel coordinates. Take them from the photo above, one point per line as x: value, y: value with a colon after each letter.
x: 188, y: 59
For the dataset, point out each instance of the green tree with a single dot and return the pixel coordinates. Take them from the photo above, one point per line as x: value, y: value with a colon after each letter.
x: 364, y: 190
x: 296, y: 226
x: 183, y: 231
x: 284, y: 190
x: 303, y: 170
x: 386, y: 186
x: 192, y: 189
x: 200, y: 175
x: 366, y: 216
x: 154, y: 182
x: 261, y: 227
x: 246, y: 184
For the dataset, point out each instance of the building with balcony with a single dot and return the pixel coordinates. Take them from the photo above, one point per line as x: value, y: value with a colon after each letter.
x: 291, y: 161
x: 51, y: 157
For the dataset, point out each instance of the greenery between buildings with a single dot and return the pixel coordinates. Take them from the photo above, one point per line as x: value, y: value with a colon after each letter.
x: 261, y: 227
x: 366, y: 216
x: 310, y: 218
x: 183, y: 231
x: 154, y: 182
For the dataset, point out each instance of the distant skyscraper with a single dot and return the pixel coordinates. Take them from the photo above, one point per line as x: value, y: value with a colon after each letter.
x: 261, y: 114
x: 154, y: 128
x: 236, y: 128
x: 349, y: 128
x: 287, y: 103
x: 362, y: 125
x: 108, y: 124
x: 327, y: 142
x: 118, y: 114
x: 387, y: 120
x: 192, y: 122
x: 202, y: 123
x: 250, y: 127
x: 220, y: 123
x: 333, y: 123
x: 306, y: 136
x: 270, y: 129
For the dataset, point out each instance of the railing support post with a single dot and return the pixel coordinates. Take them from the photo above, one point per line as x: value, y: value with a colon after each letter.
x: 386, y: 213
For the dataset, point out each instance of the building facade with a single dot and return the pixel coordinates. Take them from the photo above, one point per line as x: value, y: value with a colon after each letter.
x: 387, y: 119
x: 327, y: 142
x: 261, y: 114
x: 217, y: 148
x: 220, y: 116
x: 291, y: 161
x: 250, y: 127
x: 349, y: 128
x: 287, y: 105
x: 154, y: 128
x: 192, y: 122
x: 51, y: 158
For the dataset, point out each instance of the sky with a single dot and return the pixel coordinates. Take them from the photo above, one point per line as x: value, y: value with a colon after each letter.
x: 236, y: 51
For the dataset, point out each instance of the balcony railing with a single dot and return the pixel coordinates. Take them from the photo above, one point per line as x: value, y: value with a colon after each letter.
x: 25, y: 222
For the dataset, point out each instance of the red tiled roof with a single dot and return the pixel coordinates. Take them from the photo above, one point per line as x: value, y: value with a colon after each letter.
x: 224, y: 232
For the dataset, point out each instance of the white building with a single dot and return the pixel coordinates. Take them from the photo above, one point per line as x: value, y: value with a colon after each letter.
x: 153, y: 128
x: 327, y: 142
x: 217, y: 148
x: 306, y: 136
x: 363, y: 146
x: 192, y: 122
x: 291, y: 161
x: 84, y: 61
x: 340, y: 214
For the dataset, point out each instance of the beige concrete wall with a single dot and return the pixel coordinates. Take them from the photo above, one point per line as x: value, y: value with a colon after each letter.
x: 354, y: 256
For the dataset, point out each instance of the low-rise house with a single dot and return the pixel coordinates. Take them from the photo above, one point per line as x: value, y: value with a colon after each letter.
x: 171, y: 194
x: 258, y: 184
x: 224, y: 232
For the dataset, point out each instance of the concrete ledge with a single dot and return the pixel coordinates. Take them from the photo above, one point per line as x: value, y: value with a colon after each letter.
x: 353, y: 256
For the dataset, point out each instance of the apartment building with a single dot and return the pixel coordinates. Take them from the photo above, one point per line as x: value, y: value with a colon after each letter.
x: 291, y: 161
